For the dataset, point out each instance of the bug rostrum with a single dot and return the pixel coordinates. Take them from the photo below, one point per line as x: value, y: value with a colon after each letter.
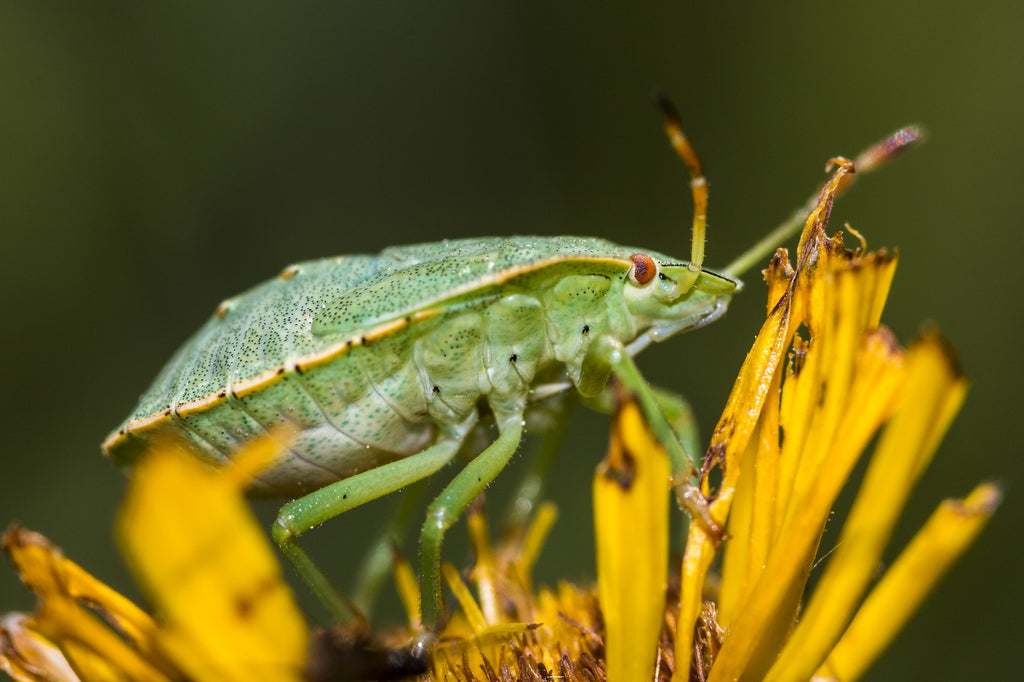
x: 382, y: 362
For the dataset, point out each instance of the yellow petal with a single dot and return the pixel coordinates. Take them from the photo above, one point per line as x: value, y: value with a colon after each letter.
x: 208, y: 567
x: 536, y: 534
x: 697, y: 558
x: 946, y: 535
x: 119, y: 645
x: 465, y: 598
x: 765, y: 481
x: 95, y: 651
x: 28, y: 656
x: 631, y: 507
x: 737, y: 568
x: 408, y: 591
x: 485, y: 571
x: 931, y: 383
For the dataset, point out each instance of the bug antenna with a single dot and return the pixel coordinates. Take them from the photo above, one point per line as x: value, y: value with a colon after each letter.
x: 698, y: 185
x: 869, y: 160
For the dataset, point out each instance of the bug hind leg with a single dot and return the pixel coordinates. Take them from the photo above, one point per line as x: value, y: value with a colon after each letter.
x: 308, y: 512
x: 377, y: 564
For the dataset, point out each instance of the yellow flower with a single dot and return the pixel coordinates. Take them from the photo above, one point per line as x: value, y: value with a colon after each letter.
x: 821, y: 381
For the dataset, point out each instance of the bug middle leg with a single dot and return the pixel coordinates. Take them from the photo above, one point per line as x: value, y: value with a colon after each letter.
x: 557, y: 413
x: 446, y: 509
x: 305, y: 513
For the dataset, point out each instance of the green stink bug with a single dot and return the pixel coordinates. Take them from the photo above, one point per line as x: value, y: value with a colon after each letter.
x: 383, y: 362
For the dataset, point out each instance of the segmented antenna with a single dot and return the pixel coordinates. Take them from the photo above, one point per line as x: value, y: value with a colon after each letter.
x: 698, y: 185
x: 868, y: 160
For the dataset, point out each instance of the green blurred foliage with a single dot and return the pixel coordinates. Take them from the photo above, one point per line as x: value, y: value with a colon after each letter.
x: 157, y: 159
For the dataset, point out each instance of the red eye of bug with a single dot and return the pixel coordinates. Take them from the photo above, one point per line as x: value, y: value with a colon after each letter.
x: 644, y: 269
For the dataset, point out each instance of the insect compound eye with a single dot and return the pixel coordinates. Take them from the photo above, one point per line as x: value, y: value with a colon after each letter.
x: 644, y: 269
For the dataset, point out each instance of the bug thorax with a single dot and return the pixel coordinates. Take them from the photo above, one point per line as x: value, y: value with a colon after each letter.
x: 657, y: 296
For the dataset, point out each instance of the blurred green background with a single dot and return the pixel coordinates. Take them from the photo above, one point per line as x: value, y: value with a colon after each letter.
x: 156, y: 160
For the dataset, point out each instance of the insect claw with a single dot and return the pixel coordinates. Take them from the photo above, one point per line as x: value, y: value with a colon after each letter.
x: 422, y: 643
x: 839, y: 161
x: 696, y: 505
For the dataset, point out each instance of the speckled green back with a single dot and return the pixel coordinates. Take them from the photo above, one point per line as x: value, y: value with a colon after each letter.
x: 326, y: 300
x: 413, y: 277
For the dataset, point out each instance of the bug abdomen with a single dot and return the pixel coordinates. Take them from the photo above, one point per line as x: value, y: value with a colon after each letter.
x: 388, y: 396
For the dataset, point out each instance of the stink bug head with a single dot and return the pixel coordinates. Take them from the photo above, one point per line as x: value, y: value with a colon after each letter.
x: 662, y: 306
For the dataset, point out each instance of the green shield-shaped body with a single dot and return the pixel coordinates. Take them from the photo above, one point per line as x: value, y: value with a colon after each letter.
x: 376, y: 357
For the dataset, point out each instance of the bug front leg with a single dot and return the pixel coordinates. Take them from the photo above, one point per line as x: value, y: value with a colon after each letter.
x: 305, y: 513
x: 610, y: 353
x: 676, y: 408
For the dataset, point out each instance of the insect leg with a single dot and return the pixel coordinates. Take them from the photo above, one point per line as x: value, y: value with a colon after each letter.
x: 444, y: 511
x: 611, y: 352
x: 305, y: 513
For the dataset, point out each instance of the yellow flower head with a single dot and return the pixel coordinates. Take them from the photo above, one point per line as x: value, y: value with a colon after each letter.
x: 822, y: 380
